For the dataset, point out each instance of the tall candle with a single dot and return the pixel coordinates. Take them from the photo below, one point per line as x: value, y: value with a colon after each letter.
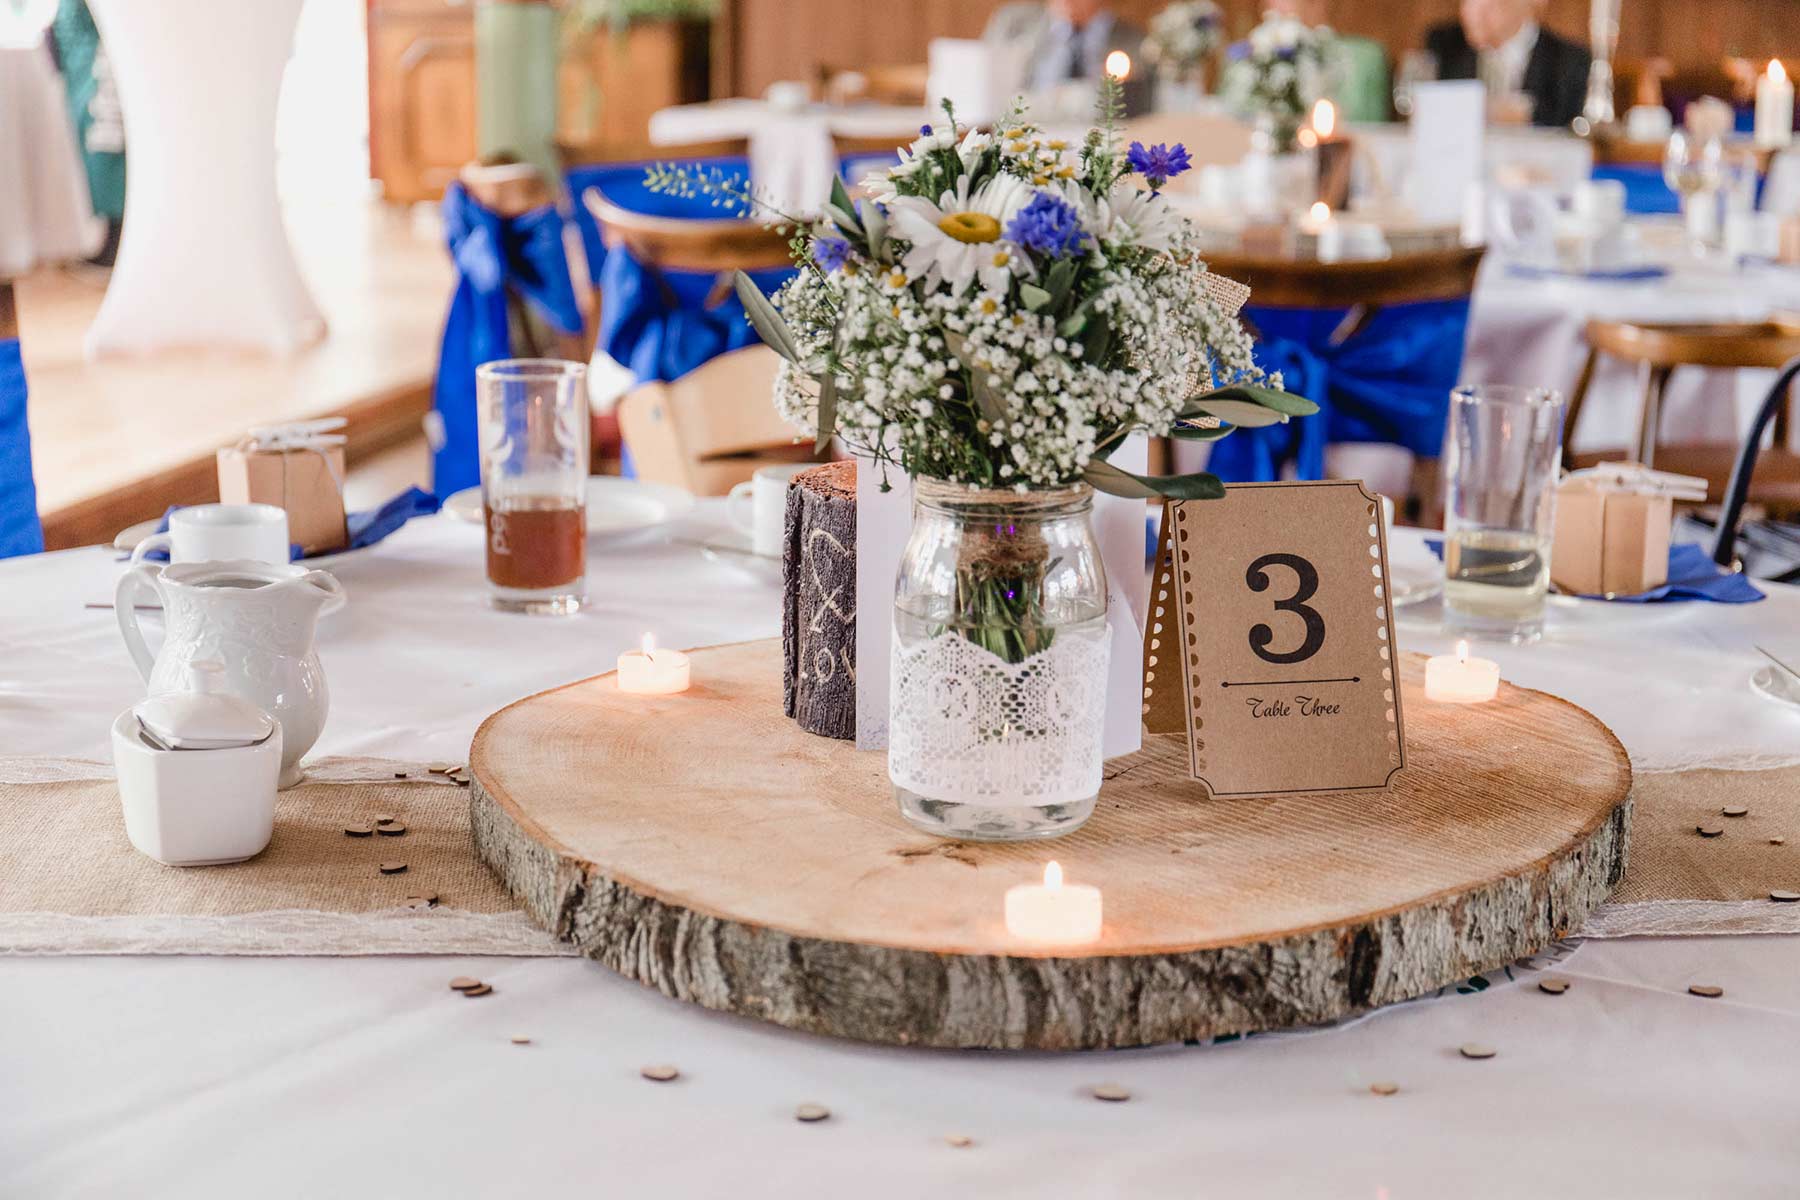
x: 1053, y: 914
x: 1334, y: 154
x: 1774, y: 107
x: 1461, y: 680
x: 653, y: 672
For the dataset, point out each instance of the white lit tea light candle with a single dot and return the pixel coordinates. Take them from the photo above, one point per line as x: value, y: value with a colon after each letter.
x: 653, y: 672
x: 1774, y: 107
x: 1326, y: 230
x: 1118, y: 65
x: 1053, y: 913
x: 1460, y: 679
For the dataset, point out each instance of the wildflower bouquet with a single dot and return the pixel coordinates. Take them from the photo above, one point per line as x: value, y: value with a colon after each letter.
x: 1279, y: 73
x: 1182, y: 35
x: 1005, y: 310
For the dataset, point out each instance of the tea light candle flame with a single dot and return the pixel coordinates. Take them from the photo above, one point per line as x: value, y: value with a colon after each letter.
x: 1051, y: 913
x: 1324, y: 119
x: 652, y: 672
x: 1118, y: 64
x: 1461, y: 680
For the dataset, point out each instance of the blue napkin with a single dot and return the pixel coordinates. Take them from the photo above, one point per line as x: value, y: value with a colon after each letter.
x: 1692, y: 576
x: 365, y: 528
x: 1601, y: 275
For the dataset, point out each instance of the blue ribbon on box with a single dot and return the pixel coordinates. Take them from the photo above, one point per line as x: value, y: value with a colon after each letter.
x: 1389, y: 382
x: 493, y: 254
x: 1692, y: 576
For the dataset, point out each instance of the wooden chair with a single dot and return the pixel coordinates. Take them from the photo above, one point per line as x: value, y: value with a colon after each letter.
x: 1211, y: 140
x: 9, y: 312
x: 1659, y: 349
x: 713, y: 427
x: 900, y: 84
x: 1773, y: 411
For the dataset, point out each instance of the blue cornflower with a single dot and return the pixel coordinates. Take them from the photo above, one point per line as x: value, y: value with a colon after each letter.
x: 1159, y: 163
x: 830, y: 252
x: 1048, y: 225
x: 924, y: 131
x: 1238, y: 51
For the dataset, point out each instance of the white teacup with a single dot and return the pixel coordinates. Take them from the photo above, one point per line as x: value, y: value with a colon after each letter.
x: 766, y: 494
x: 222, y: 532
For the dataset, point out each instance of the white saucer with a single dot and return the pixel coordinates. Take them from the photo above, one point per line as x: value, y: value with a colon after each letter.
x: 1414, y: 583
x: 734, y: 549
x: 1775, y: 684
x: 616, y: 508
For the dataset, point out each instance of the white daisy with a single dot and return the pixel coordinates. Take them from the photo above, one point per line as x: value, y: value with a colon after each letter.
x: 961, y: 237
x: 1134, y: 217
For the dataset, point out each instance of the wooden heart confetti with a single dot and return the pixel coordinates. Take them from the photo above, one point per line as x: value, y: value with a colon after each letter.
x: 1555, y: 987
x: 660, y: 1073
x: 359, y: 830
x: 519, y: 1039
x: 1710, y: 991
x: 811, y: 1112
x: 1708, y: 830
x: 1476, y: 1050
x: 1781, y: 896
x: 392, y: 868
x: 1733, y: 810
x: 1111, y: 1091
x: 961, y: 1141
x: 463, y: 983
x: 420, y: 901
x: 480, y: 989
x: 1384, y: 1088
x: 391, y: 829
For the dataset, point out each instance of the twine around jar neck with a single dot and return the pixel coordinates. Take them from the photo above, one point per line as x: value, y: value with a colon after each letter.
x: 965, y: 500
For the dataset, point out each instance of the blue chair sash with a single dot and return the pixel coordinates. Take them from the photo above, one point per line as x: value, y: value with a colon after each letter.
x: 660, y: 324
x: 1389, y: 382
x: 493, y: 255
x: 20, y: 532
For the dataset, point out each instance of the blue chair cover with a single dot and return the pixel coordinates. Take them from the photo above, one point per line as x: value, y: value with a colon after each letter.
x: 1390, y: 382
x: 655, y: 322
x: 1645, y: 191
x: 492, y: 254
x: 624, y: 185
x: 20, y: 532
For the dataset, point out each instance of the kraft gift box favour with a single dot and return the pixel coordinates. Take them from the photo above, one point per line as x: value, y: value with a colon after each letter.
x: 1612, y: 528
x: 298, y: 467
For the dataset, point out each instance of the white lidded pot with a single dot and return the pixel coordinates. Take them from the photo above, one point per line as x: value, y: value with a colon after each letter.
x: 197, y: 772
x: 257, y: 620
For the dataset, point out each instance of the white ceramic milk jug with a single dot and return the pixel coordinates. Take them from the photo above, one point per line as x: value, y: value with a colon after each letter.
x: 258, y: 619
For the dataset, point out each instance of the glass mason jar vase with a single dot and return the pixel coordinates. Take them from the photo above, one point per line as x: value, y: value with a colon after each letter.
x: 998, y: 680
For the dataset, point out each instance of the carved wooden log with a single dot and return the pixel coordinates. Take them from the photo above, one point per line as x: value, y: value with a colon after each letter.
x: 701, y: 844
x: 818, y: 622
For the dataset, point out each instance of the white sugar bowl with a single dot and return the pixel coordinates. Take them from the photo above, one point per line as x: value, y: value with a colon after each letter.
x: 197, y: 772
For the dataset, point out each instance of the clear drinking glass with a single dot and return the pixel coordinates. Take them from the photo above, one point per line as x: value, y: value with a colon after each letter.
x: 1502, y: 449
x: 1416, y: 67
x: 533, y: 416
x: 1693, y: 168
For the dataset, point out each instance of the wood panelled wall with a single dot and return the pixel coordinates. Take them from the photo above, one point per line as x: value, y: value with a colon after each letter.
x: 790, y: 39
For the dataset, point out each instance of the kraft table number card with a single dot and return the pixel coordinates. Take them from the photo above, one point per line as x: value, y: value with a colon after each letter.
x: 1271, y: 640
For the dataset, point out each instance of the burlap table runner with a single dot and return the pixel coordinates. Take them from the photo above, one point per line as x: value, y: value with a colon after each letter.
x: 70, y: 882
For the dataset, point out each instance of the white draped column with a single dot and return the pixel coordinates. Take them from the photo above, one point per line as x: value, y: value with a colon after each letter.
x: 204, y: 259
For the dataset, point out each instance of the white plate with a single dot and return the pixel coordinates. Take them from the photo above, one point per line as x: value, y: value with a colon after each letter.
x: 616, y: 508
x: 128, y: 539
x: 1413, y: 583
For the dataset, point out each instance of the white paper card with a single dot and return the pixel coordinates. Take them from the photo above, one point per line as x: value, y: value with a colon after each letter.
x: 883, y: 522
x: 1449, y: 121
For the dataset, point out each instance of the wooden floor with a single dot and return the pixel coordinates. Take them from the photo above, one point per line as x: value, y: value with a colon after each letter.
x: 119, y: 440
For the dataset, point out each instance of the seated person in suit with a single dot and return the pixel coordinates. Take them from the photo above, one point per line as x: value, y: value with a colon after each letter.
x: 1361, y: 89
x: 1501, y: 43
x: 1069, y: 40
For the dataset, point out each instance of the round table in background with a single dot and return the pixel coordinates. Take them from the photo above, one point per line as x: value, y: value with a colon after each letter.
x: 204, y: 259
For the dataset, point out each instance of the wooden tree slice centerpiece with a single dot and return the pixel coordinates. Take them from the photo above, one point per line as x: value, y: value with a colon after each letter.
x: 705, y: 845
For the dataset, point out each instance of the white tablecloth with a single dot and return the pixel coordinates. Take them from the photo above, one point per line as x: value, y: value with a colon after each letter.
x: 46, y: 215
x: 309, y: 1077
x: 1529, y: 331
x: 792, y: 161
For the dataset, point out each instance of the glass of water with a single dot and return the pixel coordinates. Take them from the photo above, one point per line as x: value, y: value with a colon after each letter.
x: 1502, y: 449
